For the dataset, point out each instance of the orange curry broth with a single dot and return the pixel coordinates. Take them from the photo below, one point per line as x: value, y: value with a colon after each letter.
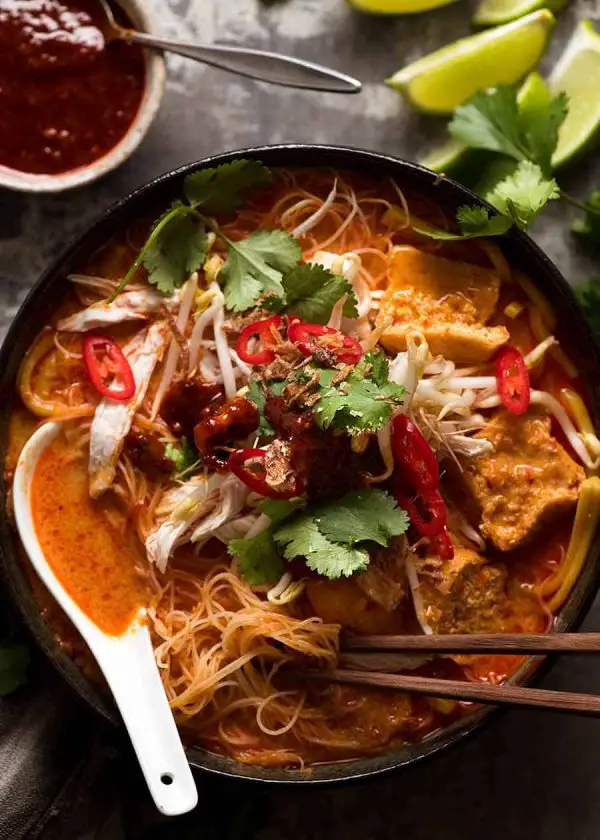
x: 94, y: 563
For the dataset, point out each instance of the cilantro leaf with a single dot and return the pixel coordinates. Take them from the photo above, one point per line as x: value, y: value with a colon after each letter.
x: 523, y: 195
x: 258, y: 559
x: 474, y: 221
x: 176, y: 247
x: 494, y: 120
x: 490, y: 120
x: 361, y: 402
x: 331, y: 537
x: 374, y: 363
x: 184, y: 456
x: 540, y: 126
x: 255, y: 265
x: 361, y: 516
x: 311, y: 292
x: 14, y: 660
x: 222, y: 189
x: 588, y: 227
x: 589, y: 298
x: 258, y: 395
x: 177, y: 244
x: 302, y: 538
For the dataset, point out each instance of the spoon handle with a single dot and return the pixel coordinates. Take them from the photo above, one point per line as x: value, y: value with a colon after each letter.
x: 128, y: 665
x: 127, y: 661
x: 256, y: 64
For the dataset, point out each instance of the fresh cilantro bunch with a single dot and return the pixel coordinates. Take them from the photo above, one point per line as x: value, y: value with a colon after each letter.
x: 333, y: 537
x: 519, y: 141
x: 492, y: 120
x: 363, y: 401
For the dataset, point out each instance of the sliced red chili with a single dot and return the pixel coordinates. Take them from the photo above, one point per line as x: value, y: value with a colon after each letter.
x: 305, y: 336
x: 264, y: 332
x: 253, y: 474
x: 441, y: 545
x: 413, y: 455
x: 109, y: 371
x: 512, y: 380
x: 427, y: 512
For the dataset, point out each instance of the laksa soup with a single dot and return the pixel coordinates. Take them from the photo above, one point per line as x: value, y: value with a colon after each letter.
x: 289, y: 412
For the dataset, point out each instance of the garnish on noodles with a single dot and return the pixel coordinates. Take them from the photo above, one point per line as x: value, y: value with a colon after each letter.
x: 344, y: 418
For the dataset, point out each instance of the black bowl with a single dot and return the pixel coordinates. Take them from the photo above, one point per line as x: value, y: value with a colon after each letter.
x: 48, y: 291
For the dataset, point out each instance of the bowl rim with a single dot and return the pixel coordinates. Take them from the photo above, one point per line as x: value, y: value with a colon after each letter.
x: 303, y: 155
x: 155, y: 71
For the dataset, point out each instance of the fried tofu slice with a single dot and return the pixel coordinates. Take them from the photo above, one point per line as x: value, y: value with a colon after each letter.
x: 526, y: 481
x: 449, y: 302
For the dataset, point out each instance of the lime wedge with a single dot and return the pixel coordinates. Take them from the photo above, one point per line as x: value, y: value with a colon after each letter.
x: 533, y: 95
x: 397, y: 7
x: 443, y: 80
x: 446, y: 156
x: 577, y: 73
x: 497, y: 12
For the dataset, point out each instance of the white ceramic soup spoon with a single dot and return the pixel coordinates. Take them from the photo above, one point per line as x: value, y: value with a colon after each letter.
x: 127, y: 661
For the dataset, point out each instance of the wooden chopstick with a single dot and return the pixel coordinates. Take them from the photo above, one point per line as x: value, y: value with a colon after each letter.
x: 509, y: 695
x: 518, y: 643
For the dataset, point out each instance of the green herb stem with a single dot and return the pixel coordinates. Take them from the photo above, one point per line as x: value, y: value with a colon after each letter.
x: 180, y: 210
x: 581, y: 205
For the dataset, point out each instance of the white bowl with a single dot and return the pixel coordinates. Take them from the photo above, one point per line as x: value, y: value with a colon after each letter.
x: 155, y: 83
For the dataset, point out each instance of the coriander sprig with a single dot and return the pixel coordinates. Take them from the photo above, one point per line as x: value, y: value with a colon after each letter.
x: 178, y: 243
x: 333, y: 537
x: 494, y: 121
x: 261, y: 265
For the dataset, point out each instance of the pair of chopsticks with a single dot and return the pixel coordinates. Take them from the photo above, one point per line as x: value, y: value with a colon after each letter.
x: 494, y: 643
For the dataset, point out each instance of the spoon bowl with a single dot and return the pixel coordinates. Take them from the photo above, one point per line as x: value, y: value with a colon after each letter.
x: 127, y: 661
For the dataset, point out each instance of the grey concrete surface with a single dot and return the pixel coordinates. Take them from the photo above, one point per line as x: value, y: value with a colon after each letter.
x: 529, y: 775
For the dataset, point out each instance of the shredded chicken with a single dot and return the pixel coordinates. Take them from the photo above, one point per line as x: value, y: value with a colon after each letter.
x: 112, y: 420
x: 129, y: 306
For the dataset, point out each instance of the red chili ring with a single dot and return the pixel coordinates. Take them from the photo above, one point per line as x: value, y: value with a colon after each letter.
x: 106, y: 365
x: 303, y: 335
x: 263, y: 331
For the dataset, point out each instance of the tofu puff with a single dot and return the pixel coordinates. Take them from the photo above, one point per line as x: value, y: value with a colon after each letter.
x: 449, y: 302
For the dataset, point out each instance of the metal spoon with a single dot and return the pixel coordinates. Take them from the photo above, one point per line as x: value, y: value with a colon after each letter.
x: 253, y: 64
x: 126, y: 661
